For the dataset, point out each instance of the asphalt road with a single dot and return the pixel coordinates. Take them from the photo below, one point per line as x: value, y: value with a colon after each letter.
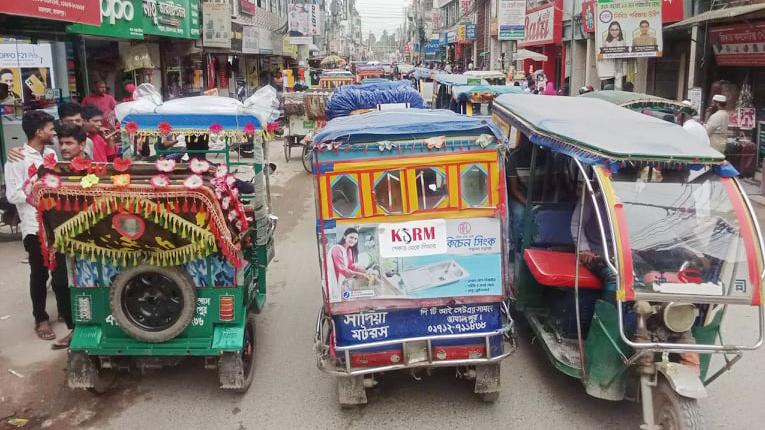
x: 290, y: 392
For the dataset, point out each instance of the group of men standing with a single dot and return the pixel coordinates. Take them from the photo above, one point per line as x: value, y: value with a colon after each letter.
x: 78, y: 133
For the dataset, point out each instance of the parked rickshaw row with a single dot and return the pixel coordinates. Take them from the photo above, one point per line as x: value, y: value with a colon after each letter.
x: 440, y: 236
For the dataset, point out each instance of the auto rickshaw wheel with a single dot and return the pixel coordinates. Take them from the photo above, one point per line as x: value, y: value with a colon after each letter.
x: 153, y: 304
x: 105, y: 379
x: 674, y: 412
x: 237, y: 370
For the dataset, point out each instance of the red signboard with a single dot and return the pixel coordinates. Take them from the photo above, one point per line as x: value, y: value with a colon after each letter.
x: 81, y: 11
x: 543, y: 23
x: 671, y: 11
x: 739, y: 44
x: 247, y: 7
x: 588, y: 16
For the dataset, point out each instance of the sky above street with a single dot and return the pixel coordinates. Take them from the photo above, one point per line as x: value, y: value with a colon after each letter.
x: 379, y: 15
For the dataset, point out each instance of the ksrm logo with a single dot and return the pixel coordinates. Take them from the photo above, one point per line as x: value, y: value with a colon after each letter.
x: 415, y: 234
x: 117, y: 10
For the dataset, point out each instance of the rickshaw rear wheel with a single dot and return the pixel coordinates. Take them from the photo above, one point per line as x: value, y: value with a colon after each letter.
x: 105, y: 379
x: 236, y: 370
x: 153, y: 304
x: 674, y: 412
x: 287, y: 148
x: 307, y: 157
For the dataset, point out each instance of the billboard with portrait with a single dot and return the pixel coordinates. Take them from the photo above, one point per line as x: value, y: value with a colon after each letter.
x: 304, y: 22
x: 426, y: 259
x: 26, y: 69
x: 628, y: 29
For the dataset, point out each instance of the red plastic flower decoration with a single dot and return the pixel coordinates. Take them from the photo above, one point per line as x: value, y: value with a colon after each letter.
x: 272, y: 127
x: 249, y: 129
x: 131, y: 127
x: 32, y: 170
x: 122, y: 164
x: 216, y: 128
x: 165, y: 127
x: 49, y: 161
x: 79, y: 164
x: 99, y: 169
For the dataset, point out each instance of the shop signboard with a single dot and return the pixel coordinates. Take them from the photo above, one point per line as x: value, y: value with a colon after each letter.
x: 628, y: 29
x: 194, y: 27
x: 672, y: 11
x: 247, y: 7
x: 80, y: 11
x: 304, y: 22
x: 170, y: 18
x: 460, y: 33
x: 289, y: 49
x: 739, y: 44
x: 470, y: 31
x: 121, y: 19
x: 250, y: 40
x: 216, y: 25
x: 512, y: 18
x: 431, y: 48
x: 745, y: 118
x: 265, y: 43
x: 542, y: 25
x: 588, y: 16
x: 28, y: 68
x: 444, y: 38
x: 426, y: 259
x: 451, y: 37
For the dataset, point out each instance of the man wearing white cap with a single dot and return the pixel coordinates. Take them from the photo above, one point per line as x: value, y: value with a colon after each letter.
x: 717, y: 124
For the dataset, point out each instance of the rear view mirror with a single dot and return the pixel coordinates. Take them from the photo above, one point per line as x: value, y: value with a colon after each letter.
x: 271, y: 168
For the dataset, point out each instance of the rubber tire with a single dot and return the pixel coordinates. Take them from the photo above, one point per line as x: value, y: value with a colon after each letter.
x: 287, y: 148
x: 188, y: 292
x: 307, y: 158
x: 684, y: 410
x: 105, y: 380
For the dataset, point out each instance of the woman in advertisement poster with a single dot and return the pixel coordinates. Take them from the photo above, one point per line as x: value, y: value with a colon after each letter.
x: 344, y: 257
x: 615, y: 37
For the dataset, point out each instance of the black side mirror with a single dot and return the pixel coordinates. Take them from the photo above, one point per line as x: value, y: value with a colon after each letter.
x: 271, y: 168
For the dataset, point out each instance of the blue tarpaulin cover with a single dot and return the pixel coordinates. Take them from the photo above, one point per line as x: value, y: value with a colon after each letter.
x: 368, y: 96
x: 377, y: 84
x: 405, y: 123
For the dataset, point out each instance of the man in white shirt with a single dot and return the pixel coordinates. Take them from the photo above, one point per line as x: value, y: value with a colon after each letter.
x: 38, y: 126
x: 717, y: 124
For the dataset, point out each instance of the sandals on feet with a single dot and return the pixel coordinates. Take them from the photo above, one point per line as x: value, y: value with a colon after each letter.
x: 44, y: 330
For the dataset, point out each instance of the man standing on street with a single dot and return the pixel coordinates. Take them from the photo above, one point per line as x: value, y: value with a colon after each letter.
x: 717, y: 124
x: 102, y: 100
x: 38, y: 127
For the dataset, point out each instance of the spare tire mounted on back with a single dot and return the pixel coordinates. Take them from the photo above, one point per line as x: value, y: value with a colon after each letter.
x: 153, y: 304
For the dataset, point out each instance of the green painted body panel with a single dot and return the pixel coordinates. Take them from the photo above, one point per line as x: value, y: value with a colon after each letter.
x: 707, y: 335
x: 603, y: 351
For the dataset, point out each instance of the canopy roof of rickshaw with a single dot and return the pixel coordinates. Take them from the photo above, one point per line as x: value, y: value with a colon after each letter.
x: 636, y: 101
x: 377, y: 85
x: 496, y: 90
x: 192, y: 113
x: 384, y: 81
x: 594, y: 130
x: 486, y: 74
x: 402, y: 124
x: 423, y: 72
x: 452, y: 79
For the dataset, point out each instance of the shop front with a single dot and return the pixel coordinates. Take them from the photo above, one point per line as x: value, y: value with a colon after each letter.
x: 543, y: 34
x: 38, y: 62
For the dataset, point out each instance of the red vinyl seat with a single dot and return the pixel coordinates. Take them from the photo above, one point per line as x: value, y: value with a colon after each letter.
x: 558, y: 269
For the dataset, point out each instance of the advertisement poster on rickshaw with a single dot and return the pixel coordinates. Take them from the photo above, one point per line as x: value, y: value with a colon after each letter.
x: 414, y: 260
x: 628, y: 29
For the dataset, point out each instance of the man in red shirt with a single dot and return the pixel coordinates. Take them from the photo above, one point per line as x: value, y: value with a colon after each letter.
x: 102, y: 150
x: 102, y: 100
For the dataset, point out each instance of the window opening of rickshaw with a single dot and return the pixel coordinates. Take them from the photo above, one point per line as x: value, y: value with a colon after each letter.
x: 345, y: 196
x: 684, y: 232
x: 475, y: 186
x: 388, y: 192
x: 431, y: 187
